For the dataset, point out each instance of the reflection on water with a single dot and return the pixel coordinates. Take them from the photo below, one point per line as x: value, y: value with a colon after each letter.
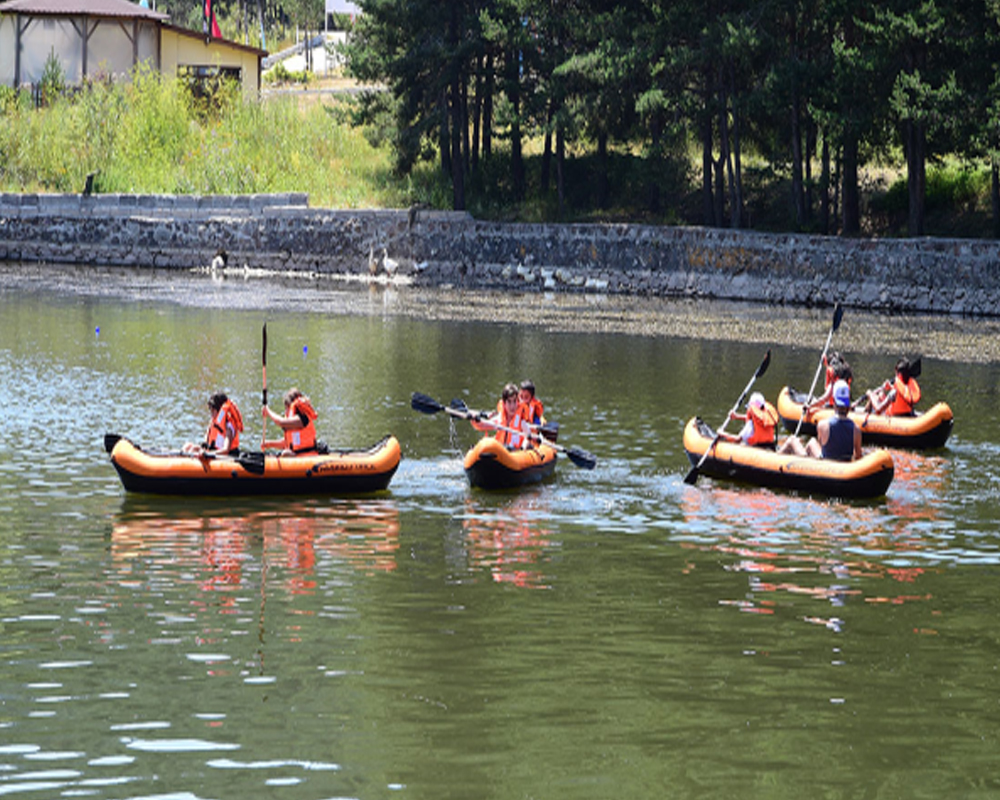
x: 509, y: 541
x: 223, y: 544
x: 834, y: 552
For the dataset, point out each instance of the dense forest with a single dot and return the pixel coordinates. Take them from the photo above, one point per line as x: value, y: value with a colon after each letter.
x: 684, y: 109
x: 815, y: 90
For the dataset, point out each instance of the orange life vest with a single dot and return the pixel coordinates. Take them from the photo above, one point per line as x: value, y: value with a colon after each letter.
x: 831, y: 378
x: 506, y: 438
x: 907, y: 396
x: 764, y: 421
x: 304, y: 438
x: 535, y: 413
x: 227, y: 416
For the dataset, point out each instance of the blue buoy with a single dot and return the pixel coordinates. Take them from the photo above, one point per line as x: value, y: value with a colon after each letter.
x: 305, y: 350
x: 97, y: 331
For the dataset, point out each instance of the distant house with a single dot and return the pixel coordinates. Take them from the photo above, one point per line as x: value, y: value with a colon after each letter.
x: 92, y: 38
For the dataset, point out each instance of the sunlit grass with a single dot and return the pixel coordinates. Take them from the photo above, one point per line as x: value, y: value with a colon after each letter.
x: 150, y: 136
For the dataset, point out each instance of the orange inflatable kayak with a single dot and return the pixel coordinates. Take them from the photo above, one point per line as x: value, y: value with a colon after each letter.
x: 868, y: 477
x: 490, y: 465
x: 338, y: 472
x: 924, y: 431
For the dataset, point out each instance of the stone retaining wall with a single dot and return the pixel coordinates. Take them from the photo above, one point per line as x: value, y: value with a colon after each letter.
x: 281, y: 232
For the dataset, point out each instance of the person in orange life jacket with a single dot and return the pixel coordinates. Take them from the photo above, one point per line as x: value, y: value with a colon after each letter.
x: 510, y: 414
x: 526, y: 396
x: 896, y: 399
x: 837, y: 368
x: 297, y: 424
x: 837, y: 437
x: 223, y: 434
x: 760, y: 420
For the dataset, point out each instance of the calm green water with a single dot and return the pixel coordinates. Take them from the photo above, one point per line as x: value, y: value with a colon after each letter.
x: 611, y: 634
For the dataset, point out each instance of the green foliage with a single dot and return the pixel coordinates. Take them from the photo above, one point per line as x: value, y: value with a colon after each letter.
x: 957, y: 201
x: 280, y: 74
x: 53, y: 80
x: 9, y: 99
x: 149, y: 135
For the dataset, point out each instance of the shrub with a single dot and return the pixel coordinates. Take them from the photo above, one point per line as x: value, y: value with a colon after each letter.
x: 53, y: 80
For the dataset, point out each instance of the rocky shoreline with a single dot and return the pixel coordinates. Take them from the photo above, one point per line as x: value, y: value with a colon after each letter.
x: 451, y: 249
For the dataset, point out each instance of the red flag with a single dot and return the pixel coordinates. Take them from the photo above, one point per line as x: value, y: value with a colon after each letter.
x: 210, y: 22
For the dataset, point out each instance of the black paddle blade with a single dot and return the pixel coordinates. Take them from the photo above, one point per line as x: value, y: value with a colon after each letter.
x: 263, y: 361
x: 110, y: 440
x: 550, y: 430
x: 838, y: 315
x: 252, y: 462
x: 424, y: 404
x: 915, y: 367
x: 692, y: 477
x: 458, y: 405
x: 581, y: 458
x: 763, y: 365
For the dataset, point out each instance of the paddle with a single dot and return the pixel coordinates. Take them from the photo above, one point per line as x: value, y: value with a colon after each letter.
x: 692, y: 477
x: 251, y: 461
x: 263, y: 396
x: 838, y: 315
x: 428, y: 405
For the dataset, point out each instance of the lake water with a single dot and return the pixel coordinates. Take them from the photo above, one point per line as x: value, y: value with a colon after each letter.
x: 614, y: 633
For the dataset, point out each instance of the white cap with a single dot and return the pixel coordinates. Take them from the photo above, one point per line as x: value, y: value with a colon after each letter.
x: 841, y: 394
x: 756, y: 399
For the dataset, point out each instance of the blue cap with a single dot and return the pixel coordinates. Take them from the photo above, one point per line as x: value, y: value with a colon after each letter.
x: 842, y: 394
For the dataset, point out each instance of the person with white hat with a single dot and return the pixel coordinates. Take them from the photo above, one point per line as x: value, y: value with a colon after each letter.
x: 761, y: 418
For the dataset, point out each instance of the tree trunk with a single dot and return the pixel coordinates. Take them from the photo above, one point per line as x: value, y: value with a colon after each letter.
x: 707, y: 198
x: 603, y: 188
x: 514, y: 95
x: 798, y: 193
x: 477, y: 108
x: 824, y: 189
x: 723, y: 162
x: 457, y: 162
x: 736, y: 168
x: 547, y: 150
x: 464, y: 121
x: 488, y: 84
x: 810, y: 154
x: 560, y: 171
x: 916, y: 175
x: 444, y: 140
x: 836, y: 211
x: 849, y: 181
x: 455, y: 109
x: 655, y: 133
x: 995, y: 198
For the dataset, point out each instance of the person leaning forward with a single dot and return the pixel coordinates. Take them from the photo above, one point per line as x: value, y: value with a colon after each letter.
x: 896, y: 399
x: 223, y: 434
x: 760, y: 420
x: 837, y: 438
x: 297, y: 425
